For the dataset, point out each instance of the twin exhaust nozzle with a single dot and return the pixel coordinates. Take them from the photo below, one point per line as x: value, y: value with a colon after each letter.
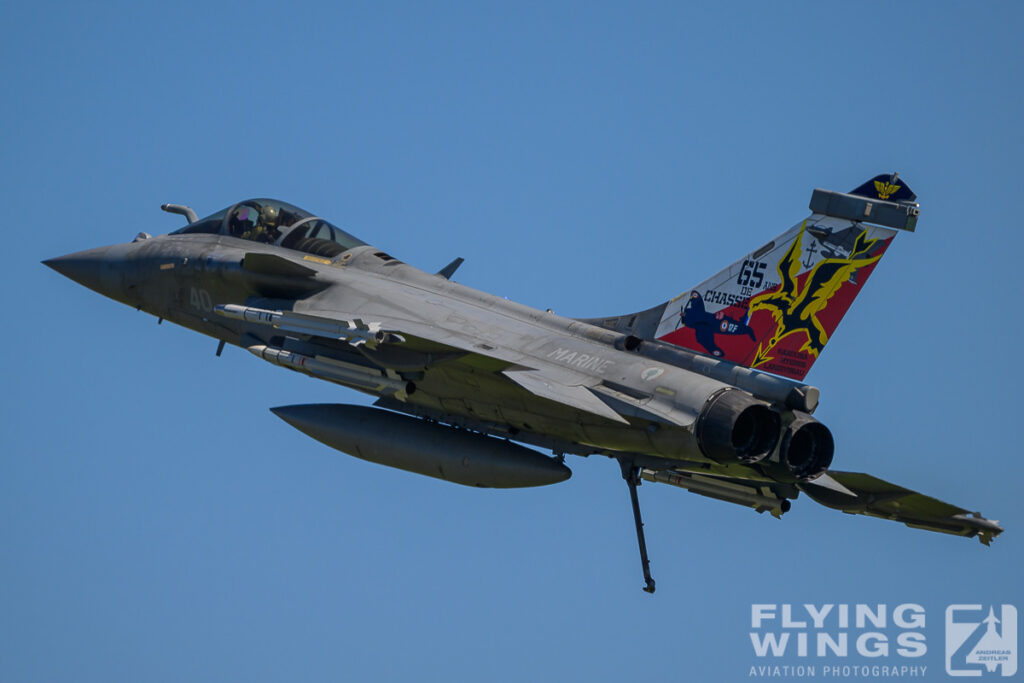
x: 736, y: 427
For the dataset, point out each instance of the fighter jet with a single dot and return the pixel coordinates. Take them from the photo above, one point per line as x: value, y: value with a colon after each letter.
x: 475, y: 389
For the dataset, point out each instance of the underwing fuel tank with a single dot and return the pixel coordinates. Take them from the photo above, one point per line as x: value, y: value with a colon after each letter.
x: 415, y: 445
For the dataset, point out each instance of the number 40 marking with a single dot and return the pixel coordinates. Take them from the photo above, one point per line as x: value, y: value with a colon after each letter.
x: 200, y: 299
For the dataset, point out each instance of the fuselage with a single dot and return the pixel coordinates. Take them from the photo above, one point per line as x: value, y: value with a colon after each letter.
x: 183, y: 278
x: 468, y: 358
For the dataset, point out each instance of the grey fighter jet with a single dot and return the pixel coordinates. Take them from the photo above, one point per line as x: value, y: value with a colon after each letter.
x: 471, y: 388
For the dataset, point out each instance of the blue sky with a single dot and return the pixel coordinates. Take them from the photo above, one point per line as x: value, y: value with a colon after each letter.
x: 159, y: 523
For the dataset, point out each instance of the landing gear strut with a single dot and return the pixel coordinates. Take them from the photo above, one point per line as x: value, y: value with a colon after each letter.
x: 631, y: 473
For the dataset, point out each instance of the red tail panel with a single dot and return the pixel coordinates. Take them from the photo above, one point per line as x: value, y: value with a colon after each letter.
x: 776, y: 309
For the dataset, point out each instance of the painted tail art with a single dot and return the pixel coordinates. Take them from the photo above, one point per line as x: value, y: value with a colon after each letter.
x: 776, y: 308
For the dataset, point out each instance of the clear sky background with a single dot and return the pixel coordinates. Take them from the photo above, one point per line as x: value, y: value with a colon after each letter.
x: 158, y: 523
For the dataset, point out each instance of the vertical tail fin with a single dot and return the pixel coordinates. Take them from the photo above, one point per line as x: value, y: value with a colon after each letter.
x: 776, y: 308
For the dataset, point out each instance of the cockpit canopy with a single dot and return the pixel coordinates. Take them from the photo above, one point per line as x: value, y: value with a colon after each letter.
x: 275, y: 222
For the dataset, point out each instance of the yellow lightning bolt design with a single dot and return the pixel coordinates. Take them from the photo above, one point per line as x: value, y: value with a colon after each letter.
x: 794, y: 309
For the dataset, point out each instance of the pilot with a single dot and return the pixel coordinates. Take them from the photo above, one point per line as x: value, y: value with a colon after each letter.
x: 239, y: 222
x: 266, y: 229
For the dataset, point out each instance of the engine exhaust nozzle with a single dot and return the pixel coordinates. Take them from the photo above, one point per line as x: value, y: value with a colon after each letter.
x: 807, y: 447
x: 734, y: 426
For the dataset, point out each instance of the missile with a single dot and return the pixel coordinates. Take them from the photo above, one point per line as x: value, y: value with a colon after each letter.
x: 336, y: 370
x: 416, y: 445
x: 355, y: 332
x: 711, y: 487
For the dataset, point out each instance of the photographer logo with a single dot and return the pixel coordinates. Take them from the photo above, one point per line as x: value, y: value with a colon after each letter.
x: 981, y: 640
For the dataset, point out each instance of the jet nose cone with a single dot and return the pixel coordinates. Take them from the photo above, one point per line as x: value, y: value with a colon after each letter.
x: 84, y: 267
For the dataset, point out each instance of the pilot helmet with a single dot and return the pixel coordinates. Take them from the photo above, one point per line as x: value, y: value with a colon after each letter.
x: 268, y: 215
